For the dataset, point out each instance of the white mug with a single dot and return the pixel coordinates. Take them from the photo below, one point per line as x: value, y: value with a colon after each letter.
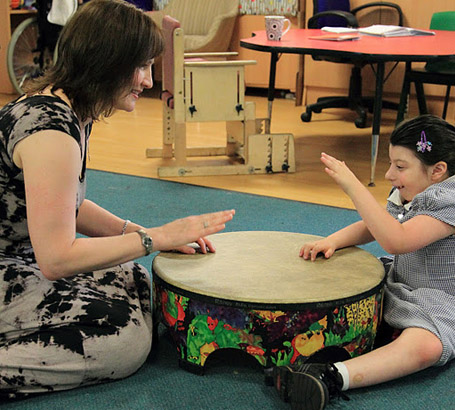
x: 274, y: 27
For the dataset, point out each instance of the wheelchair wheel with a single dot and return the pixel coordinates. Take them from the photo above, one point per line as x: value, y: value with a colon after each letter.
x: 23, y: 59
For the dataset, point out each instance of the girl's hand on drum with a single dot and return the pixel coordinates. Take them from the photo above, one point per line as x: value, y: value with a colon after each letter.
x: 177, y: 234
x: 340, y: 172
x: 311, y: 250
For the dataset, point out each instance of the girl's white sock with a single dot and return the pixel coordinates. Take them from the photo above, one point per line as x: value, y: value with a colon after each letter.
x: 343, y: 370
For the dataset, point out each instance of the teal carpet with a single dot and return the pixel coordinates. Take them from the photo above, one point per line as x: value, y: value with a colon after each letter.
x: 230, y: 382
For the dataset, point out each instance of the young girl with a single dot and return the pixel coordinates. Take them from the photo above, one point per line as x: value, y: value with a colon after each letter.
x: 75, y: 310
x: 418, y: 229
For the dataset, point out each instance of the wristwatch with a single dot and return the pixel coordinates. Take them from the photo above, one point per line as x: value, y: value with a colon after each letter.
x: 147, y: 241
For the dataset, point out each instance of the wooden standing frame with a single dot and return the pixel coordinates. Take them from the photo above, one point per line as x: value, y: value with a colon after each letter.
x: 200, y: 90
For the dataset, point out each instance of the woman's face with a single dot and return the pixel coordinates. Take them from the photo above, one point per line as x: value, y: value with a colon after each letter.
x: 409, y: 175
x: 142, y: 79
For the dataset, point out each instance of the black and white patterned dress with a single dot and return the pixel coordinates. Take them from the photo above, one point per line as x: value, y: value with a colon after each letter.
x: 420, y: 287
x: 56, y: 335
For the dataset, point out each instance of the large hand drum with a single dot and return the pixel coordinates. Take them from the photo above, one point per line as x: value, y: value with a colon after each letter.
x: 256, y: 294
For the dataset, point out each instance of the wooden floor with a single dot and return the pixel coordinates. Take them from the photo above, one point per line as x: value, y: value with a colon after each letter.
x: 118, y: 145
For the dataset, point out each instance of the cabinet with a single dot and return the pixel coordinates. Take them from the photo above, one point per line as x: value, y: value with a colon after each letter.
x: 9, y: 20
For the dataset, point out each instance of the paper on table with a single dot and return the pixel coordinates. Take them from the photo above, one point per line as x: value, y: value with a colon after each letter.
x: 336, y: 37
x: 383, y: 30
x: 339, y: 29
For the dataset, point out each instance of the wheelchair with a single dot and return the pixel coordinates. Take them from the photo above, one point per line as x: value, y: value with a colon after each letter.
x: 33, y: 45
x: 32, y: 48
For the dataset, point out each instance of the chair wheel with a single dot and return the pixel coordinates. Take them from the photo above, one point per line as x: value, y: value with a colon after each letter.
x: 24, y: 61
x: 360, y: 122
x: 306, y: 116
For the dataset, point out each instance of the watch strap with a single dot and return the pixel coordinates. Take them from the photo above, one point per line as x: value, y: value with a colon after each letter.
x: 146, y: 240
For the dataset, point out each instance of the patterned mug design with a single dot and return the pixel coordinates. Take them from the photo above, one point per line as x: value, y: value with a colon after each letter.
x: 274, y: 27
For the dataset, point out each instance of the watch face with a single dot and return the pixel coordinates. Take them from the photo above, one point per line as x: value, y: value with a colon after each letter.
x: 147, y: 242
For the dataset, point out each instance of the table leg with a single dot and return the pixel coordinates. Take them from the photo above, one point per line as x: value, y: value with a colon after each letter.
x: 271, y: 91
x: 299, y: 82
x: 376, y: 119
x: 404, y: 96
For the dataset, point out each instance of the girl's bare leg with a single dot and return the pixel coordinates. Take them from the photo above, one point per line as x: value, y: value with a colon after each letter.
x: 415, y: 349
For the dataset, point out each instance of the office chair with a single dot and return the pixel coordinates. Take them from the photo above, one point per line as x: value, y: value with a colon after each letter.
x: 199, y: 90
x: 337, y: 13
x: 438, y: 72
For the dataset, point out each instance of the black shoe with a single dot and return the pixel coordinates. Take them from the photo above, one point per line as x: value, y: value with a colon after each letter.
x: 308, y: 386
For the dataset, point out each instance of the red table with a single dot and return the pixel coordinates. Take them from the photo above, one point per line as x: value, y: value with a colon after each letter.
x: 368, y: 49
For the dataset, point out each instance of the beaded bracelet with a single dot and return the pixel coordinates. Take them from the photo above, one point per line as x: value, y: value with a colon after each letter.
x: 125, y: 226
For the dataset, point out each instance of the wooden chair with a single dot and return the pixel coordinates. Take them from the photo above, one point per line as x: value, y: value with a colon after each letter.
x: 208, y: 25
x: 199, y: 90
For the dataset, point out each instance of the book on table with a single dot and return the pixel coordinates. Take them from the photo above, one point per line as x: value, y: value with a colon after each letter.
x: 336, y: 37
x: 340, y: 30
x: 383, y: 30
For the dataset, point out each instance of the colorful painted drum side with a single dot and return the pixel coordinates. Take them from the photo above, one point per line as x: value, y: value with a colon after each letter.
x: 257, y: 295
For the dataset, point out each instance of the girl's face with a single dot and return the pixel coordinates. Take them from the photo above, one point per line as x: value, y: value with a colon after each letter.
x: 407, y: 173
x: 142, y: 79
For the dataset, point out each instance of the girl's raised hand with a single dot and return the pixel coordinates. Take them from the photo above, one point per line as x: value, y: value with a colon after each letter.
x: 339, y: 171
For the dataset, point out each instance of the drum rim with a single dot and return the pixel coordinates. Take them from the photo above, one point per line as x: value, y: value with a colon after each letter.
x: 273, y: 306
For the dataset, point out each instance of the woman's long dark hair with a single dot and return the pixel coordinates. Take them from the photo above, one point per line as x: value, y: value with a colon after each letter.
x: 99, y: 50
x: 440, y: 133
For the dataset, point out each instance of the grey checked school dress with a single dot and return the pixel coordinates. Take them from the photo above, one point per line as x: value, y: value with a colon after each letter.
x: 56, y: 335
x: 420, y: 287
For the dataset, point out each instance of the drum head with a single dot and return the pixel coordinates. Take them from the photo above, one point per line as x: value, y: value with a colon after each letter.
x: 265, y: 267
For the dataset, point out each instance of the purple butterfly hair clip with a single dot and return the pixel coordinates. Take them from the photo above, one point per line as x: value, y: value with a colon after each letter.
x: 423, y: 144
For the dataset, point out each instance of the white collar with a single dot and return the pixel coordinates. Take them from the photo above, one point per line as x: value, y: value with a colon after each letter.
x: 395, y: 198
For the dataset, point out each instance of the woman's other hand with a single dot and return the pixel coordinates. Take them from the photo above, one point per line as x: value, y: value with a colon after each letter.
x: 175, y: 235
x: 205, y: 246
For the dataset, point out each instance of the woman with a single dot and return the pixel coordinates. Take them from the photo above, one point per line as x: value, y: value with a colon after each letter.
x: 76, y: 310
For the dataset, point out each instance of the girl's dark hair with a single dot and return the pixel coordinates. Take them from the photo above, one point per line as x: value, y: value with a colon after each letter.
x: 440, y: 133
x: 99, y: 50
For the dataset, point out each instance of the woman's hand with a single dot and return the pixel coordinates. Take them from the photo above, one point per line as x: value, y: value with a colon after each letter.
x: 205, y: 246
x: 339, y: 171
x: 176, y: 234
x: 311, y: 250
